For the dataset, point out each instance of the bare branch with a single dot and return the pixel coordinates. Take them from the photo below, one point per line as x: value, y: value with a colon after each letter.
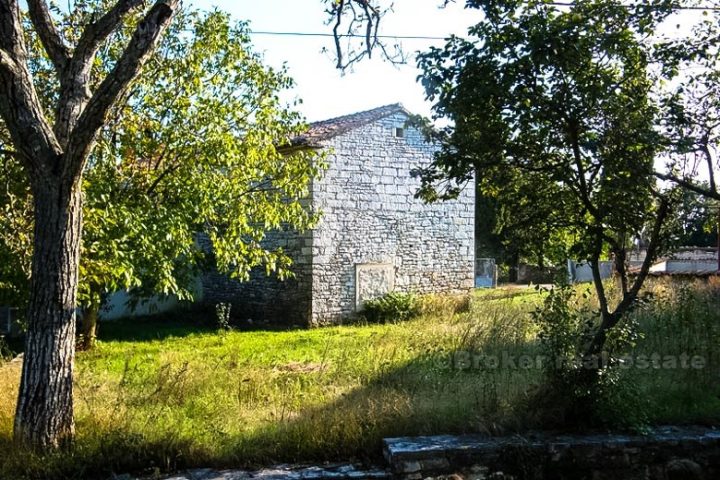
x: 142, y: 43
x: 363, y: 21
x: 372, y: 18
x: 49, y: 36
x: 336, y: 34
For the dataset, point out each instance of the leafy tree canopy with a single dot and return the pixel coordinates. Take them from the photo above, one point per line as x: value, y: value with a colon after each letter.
x: 692, y: 119
x: 556, y: 108
x: 198, y: 147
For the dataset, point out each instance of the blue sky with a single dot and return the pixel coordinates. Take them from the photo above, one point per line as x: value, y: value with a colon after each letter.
x: 324, y: 90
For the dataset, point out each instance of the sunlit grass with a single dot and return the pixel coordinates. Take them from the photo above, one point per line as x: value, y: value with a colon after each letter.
x: 167, y: 395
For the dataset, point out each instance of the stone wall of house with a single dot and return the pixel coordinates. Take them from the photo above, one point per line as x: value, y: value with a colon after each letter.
x: 266, y: 298
x: 375, y: 236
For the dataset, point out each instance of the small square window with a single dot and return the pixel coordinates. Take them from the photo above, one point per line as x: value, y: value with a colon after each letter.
x: 399, y: 132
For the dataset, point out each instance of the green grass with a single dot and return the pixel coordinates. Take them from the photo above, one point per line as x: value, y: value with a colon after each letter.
x: 163, y: 395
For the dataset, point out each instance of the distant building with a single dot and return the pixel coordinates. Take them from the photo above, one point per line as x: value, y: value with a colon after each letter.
x: 374, y: 237
x: 684, y: 261
x: 688, y: 261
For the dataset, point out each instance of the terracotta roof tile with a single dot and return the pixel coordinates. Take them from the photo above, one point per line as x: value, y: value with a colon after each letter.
x: 327, y: 129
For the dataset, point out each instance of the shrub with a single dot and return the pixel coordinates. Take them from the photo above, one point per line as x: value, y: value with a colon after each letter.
x: 575, y: 394
x: 392, y: 307
x: 222, y: 312
x: 5, y: 351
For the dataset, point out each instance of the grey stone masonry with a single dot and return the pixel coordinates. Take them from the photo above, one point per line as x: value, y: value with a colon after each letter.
x: 371, y: 220
x: 374, y: 236
x: 669, y: 453
x: 263, y: 297
x: 289, y: 472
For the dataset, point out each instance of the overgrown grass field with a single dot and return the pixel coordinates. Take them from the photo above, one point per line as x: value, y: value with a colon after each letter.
x: 164, y: 395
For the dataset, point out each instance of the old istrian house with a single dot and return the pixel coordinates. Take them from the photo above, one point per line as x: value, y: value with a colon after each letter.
x: 374, y: 237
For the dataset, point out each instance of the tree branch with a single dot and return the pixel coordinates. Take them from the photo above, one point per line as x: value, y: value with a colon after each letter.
x: 97, y: 32
x: 7, y: 62
x: 705, y: 192
x: 142, y: 43
x: 20, y: 107
x: 656, y: 241
x: 336, y: 33
x: 610, y: 320
x: 363, y: 17
x: 705, y: 149
x: 49, y: 36
x: 74, y: 94
x: 11, y: 35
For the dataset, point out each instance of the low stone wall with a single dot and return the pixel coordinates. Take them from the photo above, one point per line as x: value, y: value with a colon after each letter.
x: 668, y: 454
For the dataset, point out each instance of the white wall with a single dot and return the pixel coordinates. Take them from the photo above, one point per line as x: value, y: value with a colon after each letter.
x: 117, y: 306
x: 581, y: 272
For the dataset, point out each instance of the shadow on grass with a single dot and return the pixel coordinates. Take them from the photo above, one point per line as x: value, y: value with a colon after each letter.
x: 172, y: 325
x: 424, y: 396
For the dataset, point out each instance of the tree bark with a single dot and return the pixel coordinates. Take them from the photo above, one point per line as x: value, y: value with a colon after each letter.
x: 610, y: 319
x: 44, y: 415
x: 55, y: 159
x: 514, y: 267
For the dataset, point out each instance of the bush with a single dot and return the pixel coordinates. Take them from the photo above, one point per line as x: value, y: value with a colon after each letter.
x: 392, y: 307
x: 222, y: 313
x: 5, y: 351
x: 578, y: 395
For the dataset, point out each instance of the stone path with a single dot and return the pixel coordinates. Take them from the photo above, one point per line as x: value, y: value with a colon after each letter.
x: 669, y: 453
x: 287, y: 472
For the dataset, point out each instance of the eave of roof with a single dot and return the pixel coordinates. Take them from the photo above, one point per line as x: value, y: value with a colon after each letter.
x: 327, y: 129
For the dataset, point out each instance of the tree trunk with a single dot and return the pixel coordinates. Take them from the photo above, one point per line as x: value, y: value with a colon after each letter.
x: 88, y: 327
x: 44, y: 416
x: 514, y: 267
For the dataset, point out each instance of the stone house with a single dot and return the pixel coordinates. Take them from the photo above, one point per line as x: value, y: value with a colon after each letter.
x: 374, y: 236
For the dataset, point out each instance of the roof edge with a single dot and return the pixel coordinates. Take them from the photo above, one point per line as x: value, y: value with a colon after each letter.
x: 333, y: 127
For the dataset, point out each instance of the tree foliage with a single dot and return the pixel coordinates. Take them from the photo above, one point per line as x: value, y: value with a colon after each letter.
x: 692, y: 120
x: 516, y: 221
x: 196, y: 148
x: 555, y: 107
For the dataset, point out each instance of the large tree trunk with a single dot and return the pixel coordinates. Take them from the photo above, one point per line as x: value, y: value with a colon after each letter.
x: 55, y: 157
x: 44, y: 416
